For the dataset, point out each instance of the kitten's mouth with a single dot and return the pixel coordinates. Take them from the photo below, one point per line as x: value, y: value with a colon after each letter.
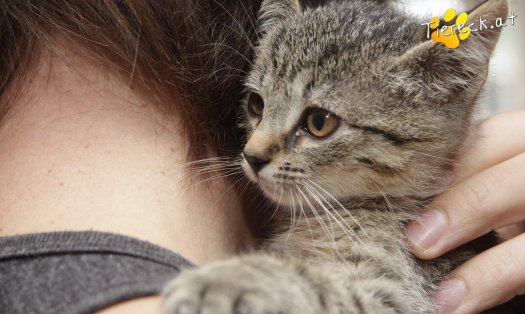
x: 279, y: 193
x: 280, y: 187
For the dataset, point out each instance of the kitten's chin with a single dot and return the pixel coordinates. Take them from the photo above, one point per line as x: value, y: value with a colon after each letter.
x: 280, y: 194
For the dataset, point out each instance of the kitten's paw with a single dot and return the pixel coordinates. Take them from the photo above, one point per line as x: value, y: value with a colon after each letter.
x: 237, y: 286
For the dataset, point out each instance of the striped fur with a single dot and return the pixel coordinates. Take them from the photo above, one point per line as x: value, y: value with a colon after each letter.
x: 405, y: 107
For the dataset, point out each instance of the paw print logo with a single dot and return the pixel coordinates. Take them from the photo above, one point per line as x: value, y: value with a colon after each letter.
x: 451, y: 35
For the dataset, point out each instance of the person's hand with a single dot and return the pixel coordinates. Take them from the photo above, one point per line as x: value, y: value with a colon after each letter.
x: 489, y: 194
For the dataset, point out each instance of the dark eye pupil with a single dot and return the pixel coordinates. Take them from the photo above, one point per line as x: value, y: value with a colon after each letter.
x: 318, y: 121
x: 259, y: 104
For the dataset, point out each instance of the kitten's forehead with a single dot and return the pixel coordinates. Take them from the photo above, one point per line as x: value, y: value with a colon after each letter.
x: 330, y: 44
x: 284, y: 104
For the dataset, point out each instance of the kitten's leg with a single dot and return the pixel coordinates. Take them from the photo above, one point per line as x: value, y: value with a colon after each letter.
x: 264, y: 284
x: 248, y: 285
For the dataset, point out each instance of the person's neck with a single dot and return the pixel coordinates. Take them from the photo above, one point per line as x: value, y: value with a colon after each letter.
x: 80, y: 150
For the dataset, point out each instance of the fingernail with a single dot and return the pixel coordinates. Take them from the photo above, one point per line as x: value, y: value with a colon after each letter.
x: 449, y: 296
x: 426, y: 231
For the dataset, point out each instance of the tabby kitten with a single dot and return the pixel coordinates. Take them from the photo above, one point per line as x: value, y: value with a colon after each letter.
x: 353, y: 119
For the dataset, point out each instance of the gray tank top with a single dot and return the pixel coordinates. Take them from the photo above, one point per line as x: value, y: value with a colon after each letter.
x: 80, y: 272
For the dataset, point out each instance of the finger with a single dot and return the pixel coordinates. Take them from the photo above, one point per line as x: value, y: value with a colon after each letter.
x: 490, y: 200
x: 498, y: 139
x: 491, y: 278
x: 509, y: 232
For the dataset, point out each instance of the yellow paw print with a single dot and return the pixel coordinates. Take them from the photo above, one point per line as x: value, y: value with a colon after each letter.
x: 453, y: 34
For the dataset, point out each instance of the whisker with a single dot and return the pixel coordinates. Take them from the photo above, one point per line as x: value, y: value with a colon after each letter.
x: 213, y: 159
x: 292, y: 217
x: 314, y: 193
x: 341, y: 221
x: 213, y: 168
x: 389, y: 205
x: 303, y: 212
x: 276, y: 209
x: 342, y: 207
x: 433, y: 156
x: 227, y: 190
x: 319, y: 219
x: 204, y: 169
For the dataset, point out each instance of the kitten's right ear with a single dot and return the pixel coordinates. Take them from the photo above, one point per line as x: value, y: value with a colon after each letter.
x: 275, y: 11
x: 436, y: 72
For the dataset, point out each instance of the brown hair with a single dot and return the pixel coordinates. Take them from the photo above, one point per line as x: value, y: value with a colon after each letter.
x: 189, y: 53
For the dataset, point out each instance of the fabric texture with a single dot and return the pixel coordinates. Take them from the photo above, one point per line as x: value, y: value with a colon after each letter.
x: 80, y: 272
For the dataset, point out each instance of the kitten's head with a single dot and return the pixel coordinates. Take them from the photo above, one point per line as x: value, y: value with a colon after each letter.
x: 350, y: 99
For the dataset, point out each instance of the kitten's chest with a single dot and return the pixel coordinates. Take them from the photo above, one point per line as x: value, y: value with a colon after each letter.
x: 338, y: 236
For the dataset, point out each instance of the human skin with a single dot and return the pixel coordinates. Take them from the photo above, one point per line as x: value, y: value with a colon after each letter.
x: 487, y: 195
x: 81, y: 150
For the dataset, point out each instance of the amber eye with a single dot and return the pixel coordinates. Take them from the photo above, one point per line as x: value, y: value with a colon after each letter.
x: 321, y: 123
x: 255, y: 104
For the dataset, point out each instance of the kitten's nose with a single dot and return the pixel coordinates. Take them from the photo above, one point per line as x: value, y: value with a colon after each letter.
x: 256, y: 162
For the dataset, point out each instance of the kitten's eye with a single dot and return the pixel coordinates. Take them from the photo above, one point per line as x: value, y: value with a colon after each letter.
x: 255, y: 104
x: 321, y: 123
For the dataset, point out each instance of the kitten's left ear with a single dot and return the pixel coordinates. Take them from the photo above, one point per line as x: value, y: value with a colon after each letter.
x: 439, y: 73
x: 274, y: 11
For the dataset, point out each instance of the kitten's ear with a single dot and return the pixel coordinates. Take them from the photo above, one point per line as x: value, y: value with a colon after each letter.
x: 274, y: 11
x: 436, y: 72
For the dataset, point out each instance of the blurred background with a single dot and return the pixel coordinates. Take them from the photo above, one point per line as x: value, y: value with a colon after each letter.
x: 505, y: 88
